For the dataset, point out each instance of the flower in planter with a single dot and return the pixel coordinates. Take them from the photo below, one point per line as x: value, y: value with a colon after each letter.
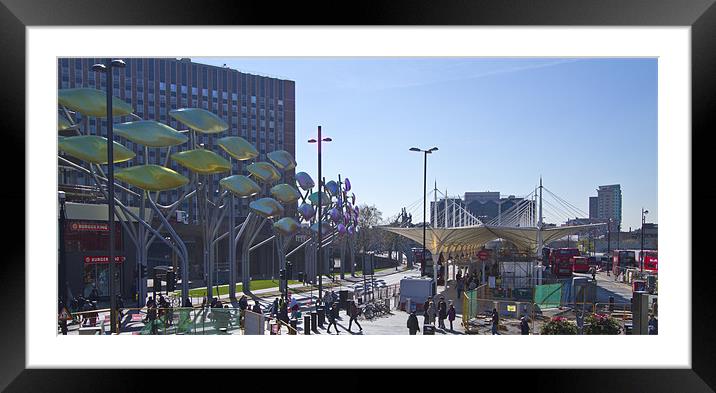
x: 559, y: 326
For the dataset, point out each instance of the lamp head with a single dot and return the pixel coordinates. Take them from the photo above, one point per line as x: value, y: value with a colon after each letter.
x: 61, y: 195
x: 646, y: 212
x: 99, y: 68
x: 312, y: 140
x: 433, y: 149
x: 326, y: 139
x: 414, y: 149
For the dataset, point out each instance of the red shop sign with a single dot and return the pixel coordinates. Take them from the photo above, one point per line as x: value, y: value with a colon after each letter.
x: 102, y: 259
x: 89, y: 227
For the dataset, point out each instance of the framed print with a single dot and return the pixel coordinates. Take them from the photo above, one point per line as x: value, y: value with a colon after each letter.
x: 615, y: 96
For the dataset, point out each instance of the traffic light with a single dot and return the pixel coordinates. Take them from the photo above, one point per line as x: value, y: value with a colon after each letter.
x: 282, y: 274
x: 289, y: 270
x: 300, y: 276
x: 171, y: 282
x: 144, y: 272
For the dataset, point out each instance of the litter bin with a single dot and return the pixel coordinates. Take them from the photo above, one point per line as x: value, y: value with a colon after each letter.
x: 343, y: 299
x: 314, y: 320
x: 307, y: 324
x: 321, y: 315
x: 429, y: 330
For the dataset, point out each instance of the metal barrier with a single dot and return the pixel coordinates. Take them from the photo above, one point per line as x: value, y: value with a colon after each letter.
x: 181, y: 320
x: 477, y: 313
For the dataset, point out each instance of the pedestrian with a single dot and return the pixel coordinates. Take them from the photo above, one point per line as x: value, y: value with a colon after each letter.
x: 495, y: 321
x: 458, y: 276
x: 593, y: 273
x: 327, y: 301
x: 274, y: 308
x: 353, y: 312
x: 94, y: 295
x: 187, y: 303
x: 332, y: 319
x: 426, y: 305
x: 294, y: 308
x: 653, y: 325
x: 257, y: 308
x: 149, y: 304
x: 524, y: 326
x: 413, y: 327
x: 442, y: 312
x: 431, y: 313
x: 120, y: 306
x: 654, y: 306
x: 459, y: 287
x: 451, y: 315
x: 203, y: 303
x: 63, y: 315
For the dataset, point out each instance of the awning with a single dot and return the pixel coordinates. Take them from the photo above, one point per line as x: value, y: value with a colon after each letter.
x: 473, y: 238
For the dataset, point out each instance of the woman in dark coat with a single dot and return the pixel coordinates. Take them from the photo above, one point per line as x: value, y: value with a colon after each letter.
x: 413, y: 326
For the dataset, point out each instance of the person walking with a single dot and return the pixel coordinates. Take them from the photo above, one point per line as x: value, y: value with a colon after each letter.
x: 257, y: 308
x: 426, y: 305
x: 495, y: 321
x: 353, y: 312
x: 62, y: 317
x: 331, y: 319
x: 413, y: 327
x: 653, y: 325
x: 442, y: 312
x: 431, y: 313
x: 274, y: 307
x: 524, y: 326
x: 458, y: 287
x: 451, y: 315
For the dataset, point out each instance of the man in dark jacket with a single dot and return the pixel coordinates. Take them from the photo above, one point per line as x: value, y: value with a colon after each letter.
x: 495, y: 321
x: 426, y: 305
x: 257, y: 308
x: 524, y: 326
x: 331, y: 318
x: 442, y: 312
x: 413, y: 326
x: 353, y: 312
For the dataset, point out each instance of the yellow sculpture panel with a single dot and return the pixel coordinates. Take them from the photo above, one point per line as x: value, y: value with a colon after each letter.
x: 151, y: 177
x: 238, y: 147
x: 200, y: 120
x: 282, y: 159
x: 240, y: 186
x: 93, y: 149
x: 150, y: 133
x: 265, y: 172
x: 285, y: 193
x: 92, y: 102
x: 266, y: 207
x: 202, y: 161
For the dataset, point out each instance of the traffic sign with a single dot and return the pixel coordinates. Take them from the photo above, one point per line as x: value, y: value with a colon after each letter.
x: 483, y: 255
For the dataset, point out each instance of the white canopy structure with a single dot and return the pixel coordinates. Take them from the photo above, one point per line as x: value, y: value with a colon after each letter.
x: 467, y: 239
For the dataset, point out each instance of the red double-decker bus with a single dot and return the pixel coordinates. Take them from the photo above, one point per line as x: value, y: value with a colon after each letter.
x: 560, y: 259
x: 580, y: 264
x: 650, y: 260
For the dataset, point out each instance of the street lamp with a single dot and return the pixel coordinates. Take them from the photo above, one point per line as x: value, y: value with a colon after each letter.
x: 425, y: 188
x: 641, y: 254
x: 107, y: 69
x: 62, y: 284
x: 320, y: 141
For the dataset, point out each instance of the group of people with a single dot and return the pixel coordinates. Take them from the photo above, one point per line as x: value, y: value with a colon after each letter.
x: 443, y: 312
x: 467, y: 282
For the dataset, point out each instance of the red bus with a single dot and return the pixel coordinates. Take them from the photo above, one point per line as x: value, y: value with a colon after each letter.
x: 560, y: 259
x: 426, y: 268
x: 623, y: 259
x: 580, y: 264
x: 650, y: 260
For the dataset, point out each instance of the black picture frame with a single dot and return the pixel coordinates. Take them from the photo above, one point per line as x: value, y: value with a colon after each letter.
x: 700, y: 15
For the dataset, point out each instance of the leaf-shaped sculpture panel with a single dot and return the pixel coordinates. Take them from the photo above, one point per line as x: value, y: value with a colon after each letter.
x: 266, y: 207
x: 200, y: 120
x: 151, y: 177
x: 285, y: 193
x: 240, y: 186
x: 332, y: 187
x: 307, y: 211
x: 63, y: 124
x: 325, y: 199
x: 347, y: 184
x: 282, y: 159
x: 341, y: 229
x: 264, y: 172
x: 324, y: 225
x: 202, y: 161
x: 93, y: 149
x: 286, y: 226
x: 150, y: 133
x: 335, y: 215
x: 304, y: 181
x: 92, y: 102
x: 238, y: 147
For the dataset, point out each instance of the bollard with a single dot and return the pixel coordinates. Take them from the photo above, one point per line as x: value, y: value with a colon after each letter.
x: 314, y: 321
x: 307, y: 324
x: 294, y: 323
x: 321, y: 315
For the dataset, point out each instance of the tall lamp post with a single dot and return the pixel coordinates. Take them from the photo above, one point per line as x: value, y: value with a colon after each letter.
x: 320, y: 141
x: 107, y: 69
x: 425, y: 189
x: 641, y: 254
x: 62, y: 281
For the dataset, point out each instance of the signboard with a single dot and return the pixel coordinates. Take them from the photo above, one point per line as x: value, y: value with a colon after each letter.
x: 483, y: 255
x: 89, y: 226
x: 511, y: 308
x: 89, y: 259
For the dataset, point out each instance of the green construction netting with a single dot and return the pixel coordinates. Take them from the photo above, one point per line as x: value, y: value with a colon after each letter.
x: 548, y: 296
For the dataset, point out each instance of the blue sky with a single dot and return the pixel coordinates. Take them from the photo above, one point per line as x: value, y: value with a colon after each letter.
x: 499, y: 125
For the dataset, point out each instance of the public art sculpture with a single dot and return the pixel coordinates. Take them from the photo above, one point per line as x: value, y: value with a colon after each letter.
x: 150, y: 179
